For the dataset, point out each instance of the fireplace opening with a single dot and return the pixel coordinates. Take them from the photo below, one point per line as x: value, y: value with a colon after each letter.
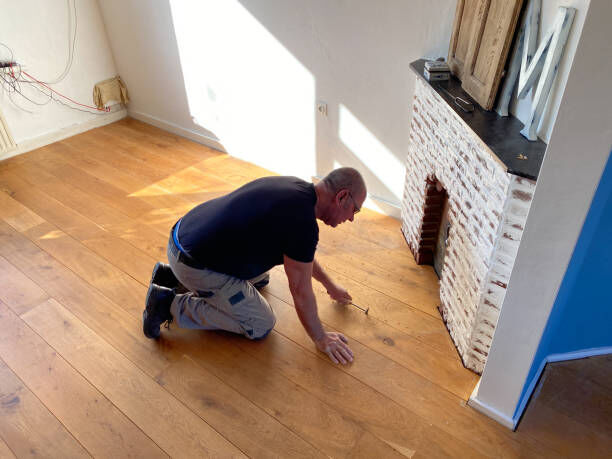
x: 442, y: 240
x: 434, y: 227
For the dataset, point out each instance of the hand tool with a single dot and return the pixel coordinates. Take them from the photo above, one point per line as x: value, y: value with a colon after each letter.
x: 463, y: 104
x: 359, y: 307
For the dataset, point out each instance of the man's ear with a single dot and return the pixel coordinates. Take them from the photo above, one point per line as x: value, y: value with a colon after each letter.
x: 342, y: 195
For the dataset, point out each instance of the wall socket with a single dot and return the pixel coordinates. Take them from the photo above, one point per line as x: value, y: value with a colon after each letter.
x: 322, y: 107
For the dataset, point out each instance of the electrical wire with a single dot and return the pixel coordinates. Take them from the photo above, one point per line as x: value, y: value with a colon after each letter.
x: 61, y: 95
x: 12, y: 84
x: 71, y: 38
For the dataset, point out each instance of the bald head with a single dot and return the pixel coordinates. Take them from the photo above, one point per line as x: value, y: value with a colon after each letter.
x: 345, y: 178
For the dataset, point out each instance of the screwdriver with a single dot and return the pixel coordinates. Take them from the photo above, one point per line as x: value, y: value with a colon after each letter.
x: 359, y: 307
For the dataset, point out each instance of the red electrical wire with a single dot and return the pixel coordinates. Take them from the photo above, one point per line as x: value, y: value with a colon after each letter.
x: 61, y: 95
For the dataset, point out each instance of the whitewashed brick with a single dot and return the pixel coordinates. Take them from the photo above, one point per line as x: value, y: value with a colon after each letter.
x: 488, y: 208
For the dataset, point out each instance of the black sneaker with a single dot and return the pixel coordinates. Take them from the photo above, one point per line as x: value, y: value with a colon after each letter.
x: 163, y: 275
x: 157, y: 310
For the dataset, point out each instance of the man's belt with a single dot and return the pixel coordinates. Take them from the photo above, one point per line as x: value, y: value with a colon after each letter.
x: 179, y: 251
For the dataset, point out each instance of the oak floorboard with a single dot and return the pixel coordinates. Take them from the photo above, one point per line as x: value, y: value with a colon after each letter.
x: 94, y: 421
x: 388, y: 310
x: 227, y: 168
x: 133, y: 231
x: 104, y: 276
x: 44, y: 231
x: 5, y: 451
x: 392, y: 423
x: 183, y: 149
x: 17, y: 215
x: 256, y: 432
x: 168, y: 422
x: 563, y: 434
x: 441, y: 408
x: 329, y: 426
x: 129, y: 259
x: 163, y: 192
x: 69, y: 252
x: 440, y: 366
x: 354, y: 251
x: 569, y: 411
x: 27, y: 426
x: 99, y: 313
x: 23, y: 293
x: 398, y: 310
x: 97, y: 144
x: 67, y: 173
x: 126, y: 292
x: 596, y: 370
x: 409, y: 289
x: 116, y: 326
x: 84, y: 202
x: 83, y: 221
x: 403, y: 288
x: 578, y: 396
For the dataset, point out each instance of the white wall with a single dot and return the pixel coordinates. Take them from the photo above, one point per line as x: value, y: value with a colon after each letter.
x: 522, y: 108
x: 37, y: 32
x: 579, y: 147
x: 141, y: 36
x: 251, y: 72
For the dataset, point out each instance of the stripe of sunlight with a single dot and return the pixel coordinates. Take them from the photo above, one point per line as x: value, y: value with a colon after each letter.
x: 371, y: 151
x: 245, y: 86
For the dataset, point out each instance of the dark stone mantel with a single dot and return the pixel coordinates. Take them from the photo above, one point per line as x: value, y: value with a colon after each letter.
x: 501, y: 134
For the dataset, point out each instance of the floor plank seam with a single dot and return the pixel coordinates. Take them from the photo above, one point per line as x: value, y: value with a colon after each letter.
x: 101, y: 394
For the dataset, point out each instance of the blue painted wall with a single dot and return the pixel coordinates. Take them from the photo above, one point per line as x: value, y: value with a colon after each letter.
x: 582, y: 314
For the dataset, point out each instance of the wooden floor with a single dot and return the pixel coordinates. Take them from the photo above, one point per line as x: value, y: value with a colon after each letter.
x: 83, y: 221
x: 571, y: 409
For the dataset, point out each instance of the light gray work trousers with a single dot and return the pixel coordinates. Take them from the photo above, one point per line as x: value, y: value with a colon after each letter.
x: 216, y: 301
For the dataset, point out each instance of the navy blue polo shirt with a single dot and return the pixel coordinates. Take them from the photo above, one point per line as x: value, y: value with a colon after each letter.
x: 248, y: 231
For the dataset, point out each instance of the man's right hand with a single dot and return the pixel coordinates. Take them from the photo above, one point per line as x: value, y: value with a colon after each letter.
x: 336, y: 347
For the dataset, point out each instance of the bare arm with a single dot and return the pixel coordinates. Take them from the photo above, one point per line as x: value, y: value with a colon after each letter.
x: 337, y: 292
x: 300, y: 283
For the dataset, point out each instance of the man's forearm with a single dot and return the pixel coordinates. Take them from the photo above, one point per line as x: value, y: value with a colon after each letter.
x: 320, y: 275
x: 306, y: 307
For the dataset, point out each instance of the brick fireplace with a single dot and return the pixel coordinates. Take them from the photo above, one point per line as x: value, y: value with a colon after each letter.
x: 480, y: 165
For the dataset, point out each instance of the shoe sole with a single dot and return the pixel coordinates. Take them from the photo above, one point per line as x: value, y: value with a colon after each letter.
x: 145, y: 316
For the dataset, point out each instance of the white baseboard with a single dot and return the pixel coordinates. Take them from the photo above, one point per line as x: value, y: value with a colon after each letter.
x: 511, y: 422
x: 178, y: 130
x: 487, y: 410
x: 383, y: 206
x: 68, y: 131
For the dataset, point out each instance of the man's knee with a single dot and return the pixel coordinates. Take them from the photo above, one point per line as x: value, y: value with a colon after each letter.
x: 264, y: 326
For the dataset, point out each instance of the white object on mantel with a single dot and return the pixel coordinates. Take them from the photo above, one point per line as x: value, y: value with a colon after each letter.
x: 488, y: 208
x: 527, y: 63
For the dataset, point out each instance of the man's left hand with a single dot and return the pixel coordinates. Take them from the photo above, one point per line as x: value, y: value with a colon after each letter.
x: 339, y: 294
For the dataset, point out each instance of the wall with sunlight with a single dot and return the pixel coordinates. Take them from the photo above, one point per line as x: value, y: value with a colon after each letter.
x: 250, y: 72
x: 359, y: 54
x: 245, y: 86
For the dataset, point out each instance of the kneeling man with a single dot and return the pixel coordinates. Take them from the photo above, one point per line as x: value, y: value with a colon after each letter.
x: 220, y: 253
